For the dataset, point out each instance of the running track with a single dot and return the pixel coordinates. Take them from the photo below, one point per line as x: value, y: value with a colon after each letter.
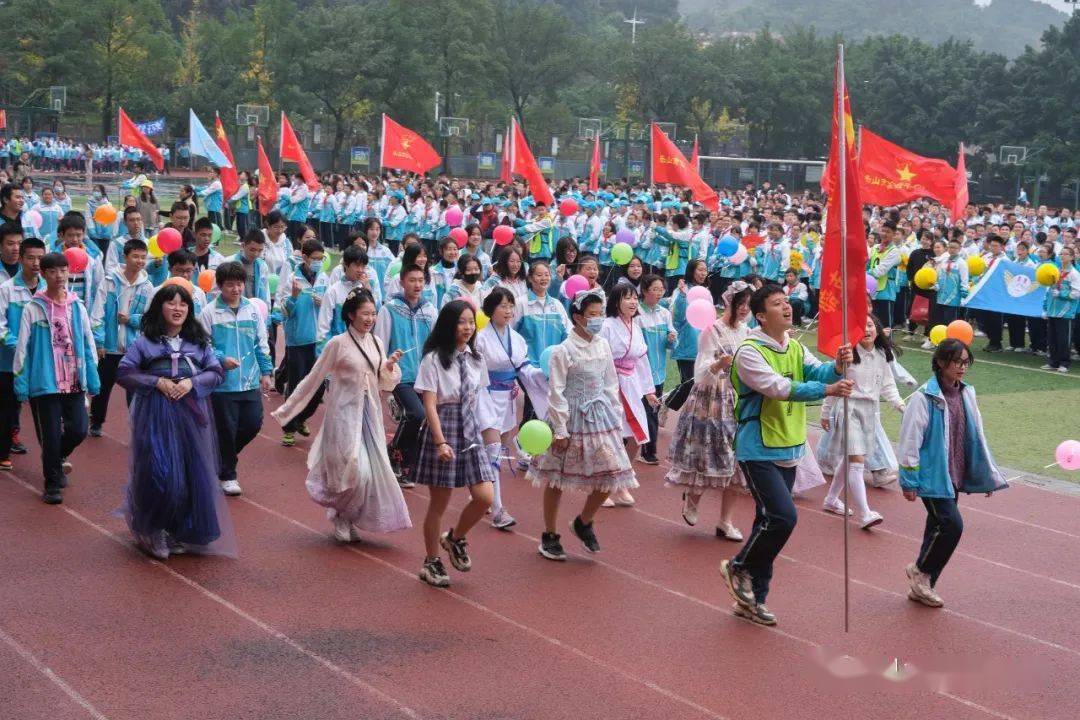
x: 299, y: 627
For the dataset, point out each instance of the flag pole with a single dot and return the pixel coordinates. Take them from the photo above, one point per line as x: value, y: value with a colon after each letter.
x: 382, y: 142
x: 841, y: 134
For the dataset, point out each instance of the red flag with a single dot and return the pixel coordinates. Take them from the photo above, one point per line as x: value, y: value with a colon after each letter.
x: 230, y: 181
x: 3, y: 119
x: 889, y: 174
x: 960, y: 187
x: 292, y: 151
x: 131, y: 136
x: 505, y: 172
x: 594, y: 166
x: 843, y: 204
x: 268, y: 188
x: 524, y: 164
x: 694, y: 156
x: 403, y: 149
x: 669, y: 165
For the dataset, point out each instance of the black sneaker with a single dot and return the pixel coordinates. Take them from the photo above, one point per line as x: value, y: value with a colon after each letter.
x: 738, y: 585
x: 404, y: 482
x: 95, y: 431
x: 551, y: 548
x: 458, y: 549
x: 758, y: 614
x: 17, y: 448
x: 993, y: 349
x: 63, y: 481
x: 52, y: 497
x: 433, y: 573
x: 585, y: 534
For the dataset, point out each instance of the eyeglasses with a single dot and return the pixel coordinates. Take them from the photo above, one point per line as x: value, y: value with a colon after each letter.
x: 962, y: 363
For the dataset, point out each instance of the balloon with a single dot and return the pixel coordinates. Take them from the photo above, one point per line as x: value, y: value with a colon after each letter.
x: 260, y: 308
x: 154, y: 249
x: 105, y: 214
x: 535, y: 437
x: 700, y: 314
x: 626, y: 235
x: 938, y: 333
x: 169, y: 240
x: 503, y: 234
x: 1047, y: 274
x: 215, y: 238
x: 545, y: 360
x: 621, y: 253
x: 728, y: 246
x: 1068, y: 455
x: 482, y: 320
x: 574, y: 284
x: 394, y: 269
x: 976, y: 265
x: 925, y: 278
x: 459, y: 236
x: 326, y: 262
x: 699, y: 292
x: 468, y: 300
x: 740, y: 255
x: 33, y: 219
x: 568, y: 207
x: 207, y: 278
x: 181, y: 282
x: 77, y: 259
x: 275, y: 282
x: 453, y: 217
x: 960, y: 330
x: 871, y: 284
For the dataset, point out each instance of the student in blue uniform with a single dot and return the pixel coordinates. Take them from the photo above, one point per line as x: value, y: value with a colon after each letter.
x: 15, y: 295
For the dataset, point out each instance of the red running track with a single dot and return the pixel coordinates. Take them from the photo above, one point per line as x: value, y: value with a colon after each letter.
x: 299, y: 627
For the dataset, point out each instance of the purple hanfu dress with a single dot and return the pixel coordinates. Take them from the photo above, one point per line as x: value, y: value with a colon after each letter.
x: 173, y: 502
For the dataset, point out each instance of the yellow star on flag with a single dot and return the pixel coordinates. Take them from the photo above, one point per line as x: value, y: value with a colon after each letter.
x: 905, y: 173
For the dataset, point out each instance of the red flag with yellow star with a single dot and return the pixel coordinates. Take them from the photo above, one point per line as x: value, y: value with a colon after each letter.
x: 842, y: 268
x: 403, y: 149
x: 890, y: 175
x: 669, y: 165
x: 230, y: 183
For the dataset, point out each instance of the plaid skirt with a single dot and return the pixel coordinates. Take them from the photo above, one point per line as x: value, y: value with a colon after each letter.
x: 469, y: 466
x: 702, y: 451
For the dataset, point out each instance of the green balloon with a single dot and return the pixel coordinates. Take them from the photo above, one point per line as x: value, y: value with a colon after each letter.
x: 622, y: 253
x: 326, y: 262
x: 275, y: 281
x: 394, y: 269
x: 535, y: 437
x: 216, y: 237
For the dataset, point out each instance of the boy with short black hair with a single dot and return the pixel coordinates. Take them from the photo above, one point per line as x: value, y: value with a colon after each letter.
x: 300, y: 297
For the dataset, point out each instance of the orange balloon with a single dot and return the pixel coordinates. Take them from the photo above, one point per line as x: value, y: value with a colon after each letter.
x: 207, y: 278
x: 105, y: 214
x: 182, y: 282
x: 960, y: 330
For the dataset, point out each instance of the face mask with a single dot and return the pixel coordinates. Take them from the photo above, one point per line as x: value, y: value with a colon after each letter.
x: 470, y: 278
x: 593, y: 325
x: 97, y: 195
x: 57, y: 189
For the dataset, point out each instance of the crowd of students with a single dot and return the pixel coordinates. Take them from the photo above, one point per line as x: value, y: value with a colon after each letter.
x: 467, y: 337
x: 25, y: 155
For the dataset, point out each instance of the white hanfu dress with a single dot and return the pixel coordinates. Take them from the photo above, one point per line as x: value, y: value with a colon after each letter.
x: 507, y: 356
x: 631, y: 356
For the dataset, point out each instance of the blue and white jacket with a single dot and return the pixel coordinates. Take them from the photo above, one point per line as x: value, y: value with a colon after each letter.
x: 401, y: 327
x: 14, y: 297
x: 33, y: 365
x: 656, y: 323
x: 239, y: 334
x: 301, y: 313
x: 117, y: 295
x: 542, y: 322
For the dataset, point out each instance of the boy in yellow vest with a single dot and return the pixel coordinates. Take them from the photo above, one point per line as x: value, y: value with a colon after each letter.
x: 774, y: 377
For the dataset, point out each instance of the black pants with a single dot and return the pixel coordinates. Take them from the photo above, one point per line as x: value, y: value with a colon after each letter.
x: 648, y: 450
x: 60, y: 424
x: 1076, y: 334
x: 241, y: 224
x: 686, y: 384
x: 774, y: 520
x: 1057, y: 341
x: 1016, y: 324
x: 99, y: 404
x: 238, y: 417
x: 949, y: 313
x: 9, y: 413
x: 407, y: 436
x: 944, y: 526
x: 215, y: 217
x: 884, y: 311
x: 609, y: 275
x: 717, y: 286
x: 1037, y: 330
x: 298, y: 362
x: 901, y: 307
x: 798, y: 310
x: 992, y: 326
x: 227, y: 216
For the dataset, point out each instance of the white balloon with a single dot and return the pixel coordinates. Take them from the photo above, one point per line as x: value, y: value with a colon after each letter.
x: 740, y: 255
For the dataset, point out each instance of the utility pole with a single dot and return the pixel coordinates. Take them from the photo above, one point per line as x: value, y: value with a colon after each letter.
x: 634, y: 22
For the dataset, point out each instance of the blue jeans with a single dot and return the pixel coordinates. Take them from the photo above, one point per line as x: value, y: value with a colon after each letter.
x: 774, y: 520
x: 944, y: 526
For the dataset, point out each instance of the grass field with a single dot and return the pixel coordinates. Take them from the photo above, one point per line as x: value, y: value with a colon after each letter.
x: 1026, y: 411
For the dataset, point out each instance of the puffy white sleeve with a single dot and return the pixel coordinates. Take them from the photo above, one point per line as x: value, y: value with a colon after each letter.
x: 558, y: 409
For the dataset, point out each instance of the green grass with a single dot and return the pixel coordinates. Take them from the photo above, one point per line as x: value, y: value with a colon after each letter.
x: 1026, y: 411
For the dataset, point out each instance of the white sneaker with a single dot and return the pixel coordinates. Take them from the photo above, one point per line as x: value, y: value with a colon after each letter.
x: 1019, y: 350
x: 871, y: 520
x: 980, y: 333
x: 1063, y: 369
x: 882, y: 478
x: 729, y: 532
x: 835, y: 506
x: 927, y: 345
x: 230, y: 488
x: 689, y: 510
x: 608, y: 503
x: 920, y: 590
x: 1048, y: 367
x: 342, y: 531
x: 623, y: 498
x: 502, y: 520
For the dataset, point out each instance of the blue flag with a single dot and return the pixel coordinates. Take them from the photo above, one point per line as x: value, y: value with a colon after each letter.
x: 1008, y: 287
x: 202, y: 144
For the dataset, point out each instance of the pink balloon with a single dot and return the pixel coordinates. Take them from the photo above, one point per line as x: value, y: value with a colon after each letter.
x: 1068, y: 455
x: 453, y: 217
x: 700, y: 314
x: 260, y: 308
x: 33, y: 219
x: 740, y: 256
x: 77, y: 259
x: 460, y: 236
x: 503, y: 234
x: 170, y: 240
x: 574, y: 284
x: 699, y: 292
x: 468, y: 300
x: 871, y: 284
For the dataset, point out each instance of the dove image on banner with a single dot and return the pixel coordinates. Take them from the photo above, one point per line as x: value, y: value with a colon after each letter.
x: 1008, y: 287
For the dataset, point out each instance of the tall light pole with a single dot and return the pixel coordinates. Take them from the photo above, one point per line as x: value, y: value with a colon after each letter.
x: 634, y: 22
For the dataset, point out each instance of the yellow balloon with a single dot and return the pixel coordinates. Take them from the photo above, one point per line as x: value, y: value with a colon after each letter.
x: 976, y: 265
x: 481, y: 320
x: 925, y: 278
x: 938, y: 333
x: 1047, y: 274
x: 153, y: 249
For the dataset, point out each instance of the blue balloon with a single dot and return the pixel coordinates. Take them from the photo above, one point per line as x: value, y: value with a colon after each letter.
x: 727, y: 246
x: 545, y: 360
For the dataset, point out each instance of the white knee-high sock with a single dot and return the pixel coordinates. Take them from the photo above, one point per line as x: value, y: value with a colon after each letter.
x: 494, y: 450
x: 857, y: 490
